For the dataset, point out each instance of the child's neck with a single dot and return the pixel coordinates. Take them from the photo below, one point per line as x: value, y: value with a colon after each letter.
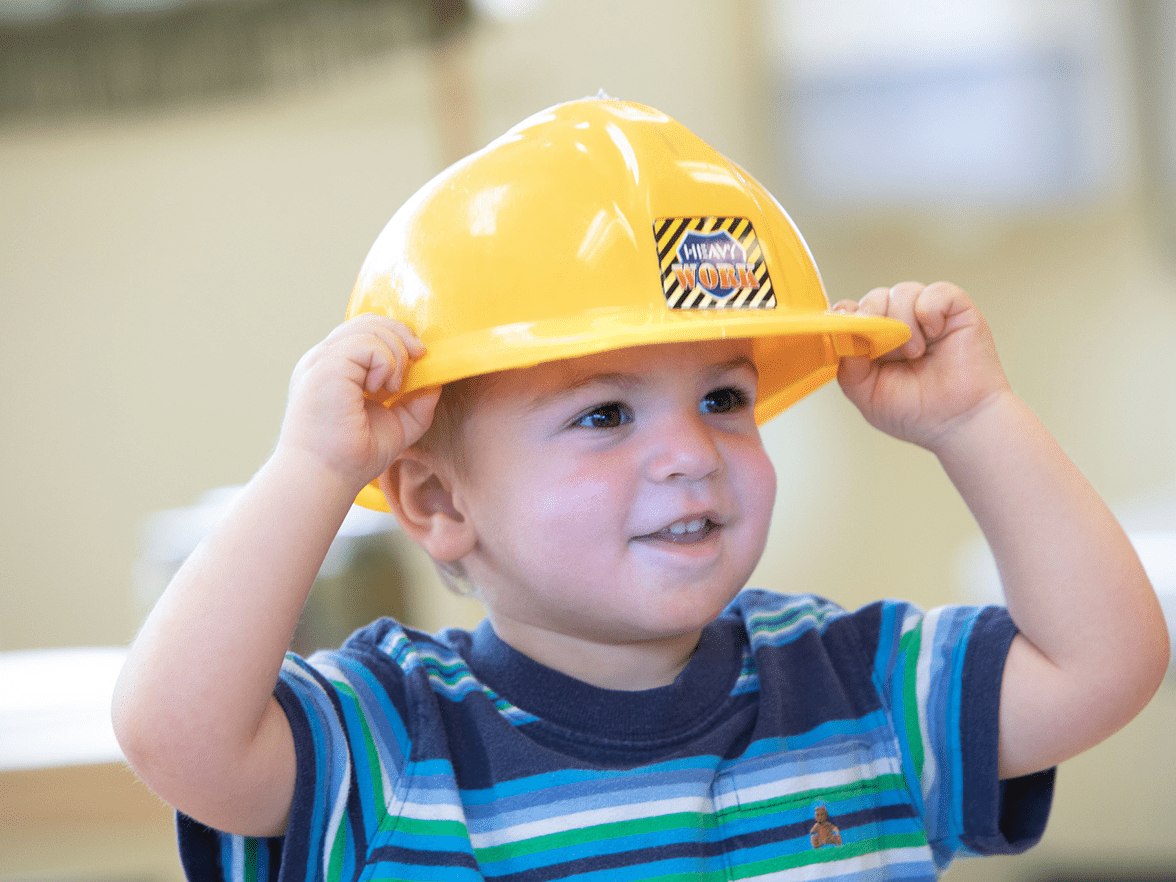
x: 626, y: 666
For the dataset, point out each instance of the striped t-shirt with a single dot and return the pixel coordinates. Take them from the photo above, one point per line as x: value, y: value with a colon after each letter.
x: 800, y: 742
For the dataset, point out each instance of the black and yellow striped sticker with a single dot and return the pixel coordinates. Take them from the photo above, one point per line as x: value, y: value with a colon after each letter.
x: 712, y: 263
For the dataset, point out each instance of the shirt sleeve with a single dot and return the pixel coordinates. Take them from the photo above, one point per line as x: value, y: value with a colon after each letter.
x: 350, y: 745
x: 940, y: 674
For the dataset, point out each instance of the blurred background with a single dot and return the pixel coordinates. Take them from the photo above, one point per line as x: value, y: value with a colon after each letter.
x: 188, y: 188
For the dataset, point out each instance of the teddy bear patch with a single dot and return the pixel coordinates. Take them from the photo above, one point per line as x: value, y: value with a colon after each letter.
x: 824, y: 832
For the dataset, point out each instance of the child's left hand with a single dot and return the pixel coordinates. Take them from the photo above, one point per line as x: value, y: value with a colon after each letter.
x: 1091, y: 646
x: 947, y: 371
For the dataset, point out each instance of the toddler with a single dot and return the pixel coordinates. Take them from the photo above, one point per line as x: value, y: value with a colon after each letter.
x: 559, y: 354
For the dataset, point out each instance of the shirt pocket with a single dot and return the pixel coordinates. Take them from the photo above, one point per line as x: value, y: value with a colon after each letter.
x: 842, y: 799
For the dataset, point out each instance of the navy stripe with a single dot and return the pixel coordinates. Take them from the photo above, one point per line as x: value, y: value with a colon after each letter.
x: 423, y: 858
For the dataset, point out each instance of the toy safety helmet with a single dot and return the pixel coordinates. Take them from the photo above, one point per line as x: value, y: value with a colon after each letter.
x: 597, y: 225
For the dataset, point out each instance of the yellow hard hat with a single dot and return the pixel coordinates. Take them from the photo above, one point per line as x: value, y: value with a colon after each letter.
x: 596, y: 225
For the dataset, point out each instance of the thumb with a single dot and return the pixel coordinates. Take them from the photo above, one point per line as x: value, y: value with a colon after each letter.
x: 397, y: 427
x: 416, y: 414
x: 853, y: 371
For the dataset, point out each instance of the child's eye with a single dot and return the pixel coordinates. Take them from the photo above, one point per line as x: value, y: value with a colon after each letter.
x: 606, y: 416
x: 723, y: 401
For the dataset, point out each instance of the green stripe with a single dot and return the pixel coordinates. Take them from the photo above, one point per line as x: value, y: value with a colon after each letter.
x: 369, y: 746
x: 875, y: 844
x: 596, y: 833
x: 910, y: 646
x: 339, y: 845
x: 775, y: 863
x: 429, y: 827
x: 888, y: 783
x: 715, y: 875
x: 250, y: 859
x: 335, y: 865
x: 775, y: 622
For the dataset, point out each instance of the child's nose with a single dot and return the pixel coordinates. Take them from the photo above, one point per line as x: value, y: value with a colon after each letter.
x: 682, y: 448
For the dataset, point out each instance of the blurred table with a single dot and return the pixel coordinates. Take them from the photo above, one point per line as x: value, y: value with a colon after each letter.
x: 70, y: 809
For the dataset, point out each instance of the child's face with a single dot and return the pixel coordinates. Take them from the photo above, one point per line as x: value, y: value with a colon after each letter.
x: 616, y: 498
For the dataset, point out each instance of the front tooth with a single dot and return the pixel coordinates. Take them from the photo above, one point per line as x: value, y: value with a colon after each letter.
x: 679, y: 528
x: 694, y: 526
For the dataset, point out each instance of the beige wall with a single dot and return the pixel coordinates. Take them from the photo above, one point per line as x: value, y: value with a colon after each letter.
x: 161, y: 273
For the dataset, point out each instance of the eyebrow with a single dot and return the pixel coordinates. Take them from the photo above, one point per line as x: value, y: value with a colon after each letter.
x: 734, y: 364
x: 626, y: 381
x: 566, y: 390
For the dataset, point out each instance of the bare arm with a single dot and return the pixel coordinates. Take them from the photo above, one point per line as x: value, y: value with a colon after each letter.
x: 194, y: 708
x: 1092, y: 646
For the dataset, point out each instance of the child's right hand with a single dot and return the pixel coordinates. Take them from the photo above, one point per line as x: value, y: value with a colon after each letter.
x: 199, y: 679
x: 331, y: 413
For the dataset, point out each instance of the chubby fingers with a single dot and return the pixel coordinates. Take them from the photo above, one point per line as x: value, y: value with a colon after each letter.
x: 378, y: 348
x: 925, y: 309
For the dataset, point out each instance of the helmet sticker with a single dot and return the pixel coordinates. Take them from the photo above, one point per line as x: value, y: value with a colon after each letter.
x: 712, y: 263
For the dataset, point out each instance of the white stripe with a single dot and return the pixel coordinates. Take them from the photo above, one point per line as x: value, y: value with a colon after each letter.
x: 851, y: 867
x: 927, y: 645
x: 591, y: 818
x: 237, y: 857
x: 338, y: 808
x: 859, y: 772
x: 431, y: 811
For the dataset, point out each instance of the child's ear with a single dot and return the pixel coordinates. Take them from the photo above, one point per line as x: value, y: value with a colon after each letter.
x: 422, y: 501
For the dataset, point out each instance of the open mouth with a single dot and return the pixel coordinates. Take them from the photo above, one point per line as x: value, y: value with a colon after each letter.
x: 684, y: 532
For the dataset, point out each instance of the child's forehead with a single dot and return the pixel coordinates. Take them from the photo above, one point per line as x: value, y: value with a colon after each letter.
x: 626, y: 367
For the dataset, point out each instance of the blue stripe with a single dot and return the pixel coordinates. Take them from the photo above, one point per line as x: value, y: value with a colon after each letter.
x: 586, y: 795
x: 384, y: 717
x: 571, y: 777
x: 318, y: 708
x: 954, y: 731
x: 876, y: 724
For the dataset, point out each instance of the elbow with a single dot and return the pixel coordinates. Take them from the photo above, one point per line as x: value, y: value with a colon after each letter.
x: 154, y: 746
x: 145, y: 740
x: 130, y: 729
x: 1159, y: 652
x: 1144, y: 643
x: 1150, y: 649
x: 1133, y: 665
